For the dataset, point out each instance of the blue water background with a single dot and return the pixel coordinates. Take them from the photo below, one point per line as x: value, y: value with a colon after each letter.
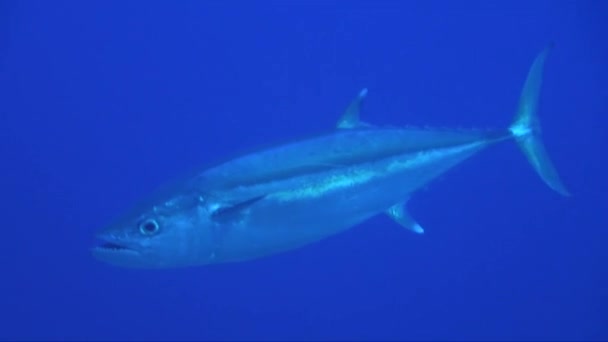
x: 103, y: 101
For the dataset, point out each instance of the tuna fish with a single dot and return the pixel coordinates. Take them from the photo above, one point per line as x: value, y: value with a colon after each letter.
x: 288, y: 196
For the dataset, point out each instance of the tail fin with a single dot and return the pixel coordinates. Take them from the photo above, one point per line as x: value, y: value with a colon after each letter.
x: 526, y: 127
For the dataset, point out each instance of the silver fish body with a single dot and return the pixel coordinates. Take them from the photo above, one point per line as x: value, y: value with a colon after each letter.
x: 294, y: 194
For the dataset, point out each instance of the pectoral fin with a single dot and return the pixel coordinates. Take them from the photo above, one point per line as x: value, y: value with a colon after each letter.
x: 234, y: 211
x: 399, y: 214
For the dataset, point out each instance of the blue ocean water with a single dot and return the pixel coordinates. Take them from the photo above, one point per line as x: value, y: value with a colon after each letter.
x: 103, y: 101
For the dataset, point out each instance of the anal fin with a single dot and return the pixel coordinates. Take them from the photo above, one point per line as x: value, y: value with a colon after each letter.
x: 399, y: 214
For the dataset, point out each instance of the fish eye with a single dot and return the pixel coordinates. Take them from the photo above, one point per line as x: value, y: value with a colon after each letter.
x: 148, y: 227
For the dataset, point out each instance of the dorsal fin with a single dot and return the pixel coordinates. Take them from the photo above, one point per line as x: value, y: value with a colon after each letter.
x: 350, y: 118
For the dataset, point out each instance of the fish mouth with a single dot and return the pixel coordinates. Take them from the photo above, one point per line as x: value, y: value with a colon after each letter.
x: 114, y: 250
x: 112, y: 247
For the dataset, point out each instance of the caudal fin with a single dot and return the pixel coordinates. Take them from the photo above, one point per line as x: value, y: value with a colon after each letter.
x: 526, y: 127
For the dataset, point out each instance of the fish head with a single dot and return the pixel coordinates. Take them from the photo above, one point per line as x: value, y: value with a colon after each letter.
x: 174, y: 232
